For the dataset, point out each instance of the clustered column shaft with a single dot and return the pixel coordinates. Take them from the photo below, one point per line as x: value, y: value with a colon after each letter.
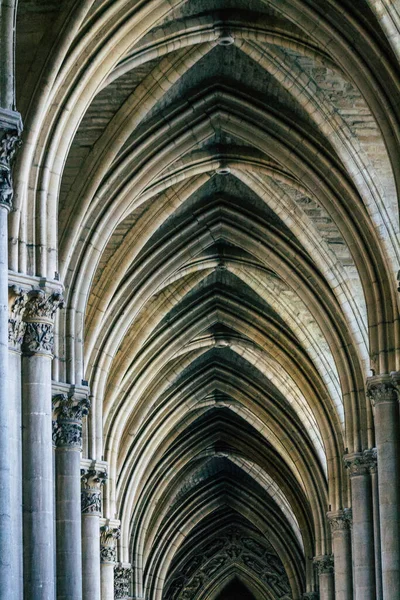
x: 325, y: 567
x: 38, y: 514
x: 9, y: 140
x: 108, y: 556
x: 92, y: 479
x: 16, y: 328
x: 341, y: 541
x: 67, y: 434
x: 359, y: 465
x: 383, y: 394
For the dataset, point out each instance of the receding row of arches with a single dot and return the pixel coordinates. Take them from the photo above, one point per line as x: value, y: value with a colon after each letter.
x: 212, y: 188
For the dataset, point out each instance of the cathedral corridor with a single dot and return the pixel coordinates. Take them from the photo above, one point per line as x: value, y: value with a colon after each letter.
x: 199, y: 299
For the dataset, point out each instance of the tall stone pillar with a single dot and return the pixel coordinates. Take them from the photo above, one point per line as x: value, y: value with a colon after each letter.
x: 122, y: 581
x: 109, y: 534
x: 67, y: 433
x: 92, y: 479
x: 377, y: 526
x: 359, y: 465
x: 341, y: 541
x: 16, y: 327
x: 325, y: 567
x: 10, y: 127
x: 38, y: 511
x: 382, y: 392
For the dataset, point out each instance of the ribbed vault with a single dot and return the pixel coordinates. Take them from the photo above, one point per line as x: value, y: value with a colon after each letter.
x: 214, y: 183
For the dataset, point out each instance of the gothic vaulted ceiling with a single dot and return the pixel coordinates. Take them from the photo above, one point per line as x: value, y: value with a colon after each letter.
x: 214, y: 183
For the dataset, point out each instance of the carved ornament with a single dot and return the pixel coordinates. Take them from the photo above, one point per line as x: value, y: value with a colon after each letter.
x: 122, y: 582
x: 17, y: 299
x: 342, y: 520
x: 324, y: 564
x: 255, y: 553
x: 9, y: 143
x: 38, y: 317
x: 67, y: 426
x: 108, y: 537
x: 91, y: 482
x: 360, y: 463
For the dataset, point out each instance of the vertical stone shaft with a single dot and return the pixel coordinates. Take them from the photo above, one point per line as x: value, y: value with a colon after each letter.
x: 363, y: 527
x: 5, y: 493
x: 37, y: 478
x: 17, y: 300
x: 377, y: 533
x: 108, y: 555
x: 68, y: 442
x: 107, y: 581
x: 325, y: 566
x: 92, y: 481
x: 38, y: 510
x: 387, y: 433
x: 8, y: 145
x: 341, y: 542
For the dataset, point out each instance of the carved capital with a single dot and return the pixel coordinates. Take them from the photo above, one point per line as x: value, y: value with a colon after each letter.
x: 17, y: 299
x: 341, y: 520
x: 381, y: 389
x: 9, y: 143
x: 67, y: 425
x: 371, y: 457
x: 324, y: 564
x: 122, y: 582
x: 360, y: 463
x: 38, y: 317
x: 91, y: 482
x: 108, y: 537
x: 310, y: 596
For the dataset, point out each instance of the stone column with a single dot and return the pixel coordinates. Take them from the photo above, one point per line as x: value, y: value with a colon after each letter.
x: 382, y: 392
x: 9, y: 141
x: 359, y: 465
x: 16, y: 327
x: 341, y: 541
x: 92, y: 479
x: 122, y: 581
x: 67, y: 434
x: 325, y: 567
x: 38, y: 511
x: 108, y: 558
x: 377, y: 528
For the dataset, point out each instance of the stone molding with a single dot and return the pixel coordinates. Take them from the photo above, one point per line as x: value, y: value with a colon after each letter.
x: 341, y: 520
x: 92, y: 480
x: 68, y: 413
x: 10, y: 141
x: 109, y: 534
x: 361, y: 463
x: 122, y: 581
x: 38, y: 316
x: 324, y: 564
